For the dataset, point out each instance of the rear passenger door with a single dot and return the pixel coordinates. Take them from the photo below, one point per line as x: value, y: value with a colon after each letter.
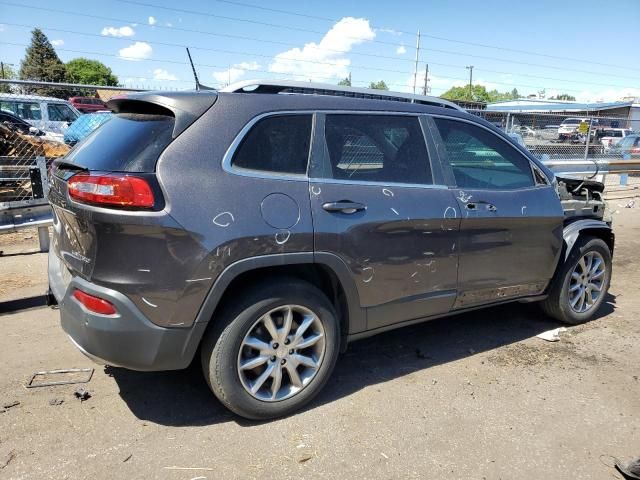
x: 379, y: 203
x: 511, y: 229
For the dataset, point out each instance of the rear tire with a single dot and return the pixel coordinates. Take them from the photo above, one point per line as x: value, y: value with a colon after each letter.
x: 290, y: 369
x: 582, y: 283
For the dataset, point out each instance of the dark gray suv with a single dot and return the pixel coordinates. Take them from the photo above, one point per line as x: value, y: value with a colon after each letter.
x: 265, y: 227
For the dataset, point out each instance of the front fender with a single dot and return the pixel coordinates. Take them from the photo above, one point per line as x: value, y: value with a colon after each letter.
x: 597, y: 228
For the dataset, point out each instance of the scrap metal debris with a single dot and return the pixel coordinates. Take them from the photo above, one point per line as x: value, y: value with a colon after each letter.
x: 82, y: 394
x: 552, y: 335
x: 83, y: 379
x: 56, y: 401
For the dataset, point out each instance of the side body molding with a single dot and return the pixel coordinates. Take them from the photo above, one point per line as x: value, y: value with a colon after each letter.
x: 572, y: 231
x: 357, y: 315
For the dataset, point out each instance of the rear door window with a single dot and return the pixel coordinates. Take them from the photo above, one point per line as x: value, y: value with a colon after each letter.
x: 276, y: 144
x: 376, y: 148
x: 128, y: 142
x: 481, y: 160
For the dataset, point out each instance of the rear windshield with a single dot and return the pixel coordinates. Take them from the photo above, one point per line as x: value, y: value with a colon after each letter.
x: 129, y: 142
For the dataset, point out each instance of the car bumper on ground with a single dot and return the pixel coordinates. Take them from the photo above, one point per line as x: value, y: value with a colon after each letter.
x: 127, y: 339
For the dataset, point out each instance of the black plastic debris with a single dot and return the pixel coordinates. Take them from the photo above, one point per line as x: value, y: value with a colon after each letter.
x: 7, y: 405
x: 82, y: 394
x: 631, y: 470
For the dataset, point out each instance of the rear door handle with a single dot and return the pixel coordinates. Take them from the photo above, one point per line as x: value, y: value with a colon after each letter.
x: 475, y: 205
x: 344, y: 206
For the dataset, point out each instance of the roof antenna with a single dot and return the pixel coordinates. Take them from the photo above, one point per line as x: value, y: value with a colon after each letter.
x: 199, y: 86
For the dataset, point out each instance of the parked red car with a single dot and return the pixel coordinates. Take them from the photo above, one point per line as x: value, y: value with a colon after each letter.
x: 88, y: 104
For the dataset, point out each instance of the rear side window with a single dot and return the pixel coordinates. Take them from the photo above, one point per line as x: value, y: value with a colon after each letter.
x: 278, y: 144
x: 376, y: 148
x: 481, y: 160
x: 129, y: 142
x: 24, y: 110
x: 60, y: 113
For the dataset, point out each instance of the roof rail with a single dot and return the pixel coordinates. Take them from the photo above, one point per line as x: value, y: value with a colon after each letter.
x: 313, y: 88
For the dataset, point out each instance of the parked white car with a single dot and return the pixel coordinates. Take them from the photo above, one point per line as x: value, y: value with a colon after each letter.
x: 569, y: 126
x: 613, y: 136
x: 45, y: 113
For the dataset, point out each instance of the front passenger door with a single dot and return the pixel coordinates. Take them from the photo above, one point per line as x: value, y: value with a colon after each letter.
x: 511, y: 228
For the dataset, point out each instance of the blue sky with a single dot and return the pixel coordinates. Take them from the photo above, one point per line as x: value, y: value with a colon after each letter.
x: 511, y: 44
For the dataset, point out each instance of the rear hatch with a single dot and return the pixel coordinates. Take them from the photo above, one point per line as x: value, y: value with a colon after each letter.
x: 106, y: 189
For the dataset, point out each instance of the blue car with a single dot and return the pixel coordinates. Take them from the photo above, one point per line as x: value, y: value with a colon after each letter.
x: 84, y: 125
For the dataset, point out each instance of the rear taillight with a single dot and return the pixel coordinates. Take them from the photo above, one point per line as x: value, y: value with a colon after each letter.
x: 94, y: 304
x: 111, y: 189
x: 635, y: 150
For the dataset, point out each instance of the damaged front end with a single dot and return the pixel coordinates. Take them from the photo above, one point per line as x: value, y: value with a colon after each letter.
x: 582, y: 198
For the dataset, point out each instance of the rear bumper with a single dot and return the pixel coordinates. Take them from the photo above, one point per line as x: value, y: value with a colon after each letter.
x: 127, y: 339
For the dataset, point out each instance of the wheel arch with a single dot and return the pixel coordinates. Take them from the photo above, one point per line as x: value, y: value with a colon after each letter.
x: 324, y: 270
x: 591, y: 227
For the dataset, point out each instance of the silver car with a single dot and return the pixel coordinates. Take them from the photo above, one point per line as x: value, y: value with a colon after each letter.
x: 45, y: 113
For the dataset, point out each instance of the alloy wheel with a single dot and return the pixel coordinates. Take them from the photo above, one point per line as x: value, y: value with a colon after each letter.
x: 587, y: 282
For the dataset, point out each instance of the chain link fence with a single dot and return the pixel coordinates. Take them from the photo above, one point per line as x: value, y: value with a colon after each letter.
x: 42, y: 121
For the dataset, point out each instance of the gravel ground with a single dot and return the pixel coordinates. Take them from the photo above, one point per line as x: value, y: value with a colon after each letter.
x: 473, y: 396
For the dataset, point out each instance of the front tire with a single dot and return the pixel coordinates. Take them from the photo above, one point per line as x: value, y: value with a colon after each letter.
x: 273, y: 350
x: 582, y: 284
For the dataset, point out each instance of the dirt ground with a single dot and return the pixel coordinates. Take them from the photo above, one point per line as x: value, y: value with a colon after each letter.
x: 476, y: 396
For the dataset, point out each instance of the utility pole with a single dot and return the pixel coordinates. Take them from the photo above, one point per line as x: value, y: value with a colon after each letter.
x: 425, y: 89
x: 470, y: 68
x: 415, y: 71
x: 2, y: 68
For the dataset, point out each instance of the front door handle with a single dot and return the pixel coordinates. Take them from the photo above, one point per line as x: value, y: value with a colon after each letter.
x: 475, y: 206
x: 344, y: 206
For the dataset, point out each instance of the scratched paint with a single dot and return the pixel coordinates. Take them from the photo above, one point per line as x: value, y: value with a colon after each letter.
x: 387, y: 192
x: 315, y: 190
x: 368, y: 272
x: 524, y: 209
x: 282, y: 237
x: 149, y: 303
x: 198, y: 279
x: 394, y: 211
x: 224, y: 219
x: 463, y: 196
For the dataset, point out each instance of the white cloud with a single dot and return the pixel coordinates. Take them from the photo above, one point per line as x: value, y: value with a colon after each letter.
x: 161, y: 74
x: 57, y: 43
x: 317, y: 61
x: 125, y: 31
x: 3, y: 27
x: 390, y: 31
x: 401, y: 50
x: 168, y: 24
x: 152, y: 20
x: 235, y: 72
x: 607, y: 95
x: 136, y: 51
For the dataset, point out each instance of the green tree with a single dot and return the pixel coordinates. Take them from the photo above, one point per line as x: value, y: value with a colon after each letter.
x: 479, y: 93
x: 563, y: 96
x: 7, y: 73
x: 90, y: 72
x: 41, y: 61
x: 378, y: 85
x: 345, y: 82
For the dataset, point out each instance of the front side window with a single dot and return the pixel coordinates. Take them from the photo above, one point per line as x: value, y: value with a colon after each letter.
x: 376, y: 148
x: 60, y: 113
x: 278, y: 144
x: 481, y: 160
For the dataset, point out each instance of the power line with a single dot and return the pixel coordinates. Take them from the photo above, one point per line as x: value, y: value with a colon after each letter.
x: 435, y: 37
x: 218, y: 50
x: 362, y: 67
x: 247, y: 20
x: 203, y: 32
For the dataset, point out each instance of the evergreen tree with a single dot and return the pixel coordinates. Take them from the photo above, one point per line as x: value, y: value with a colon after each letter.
x: 41, y: 63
